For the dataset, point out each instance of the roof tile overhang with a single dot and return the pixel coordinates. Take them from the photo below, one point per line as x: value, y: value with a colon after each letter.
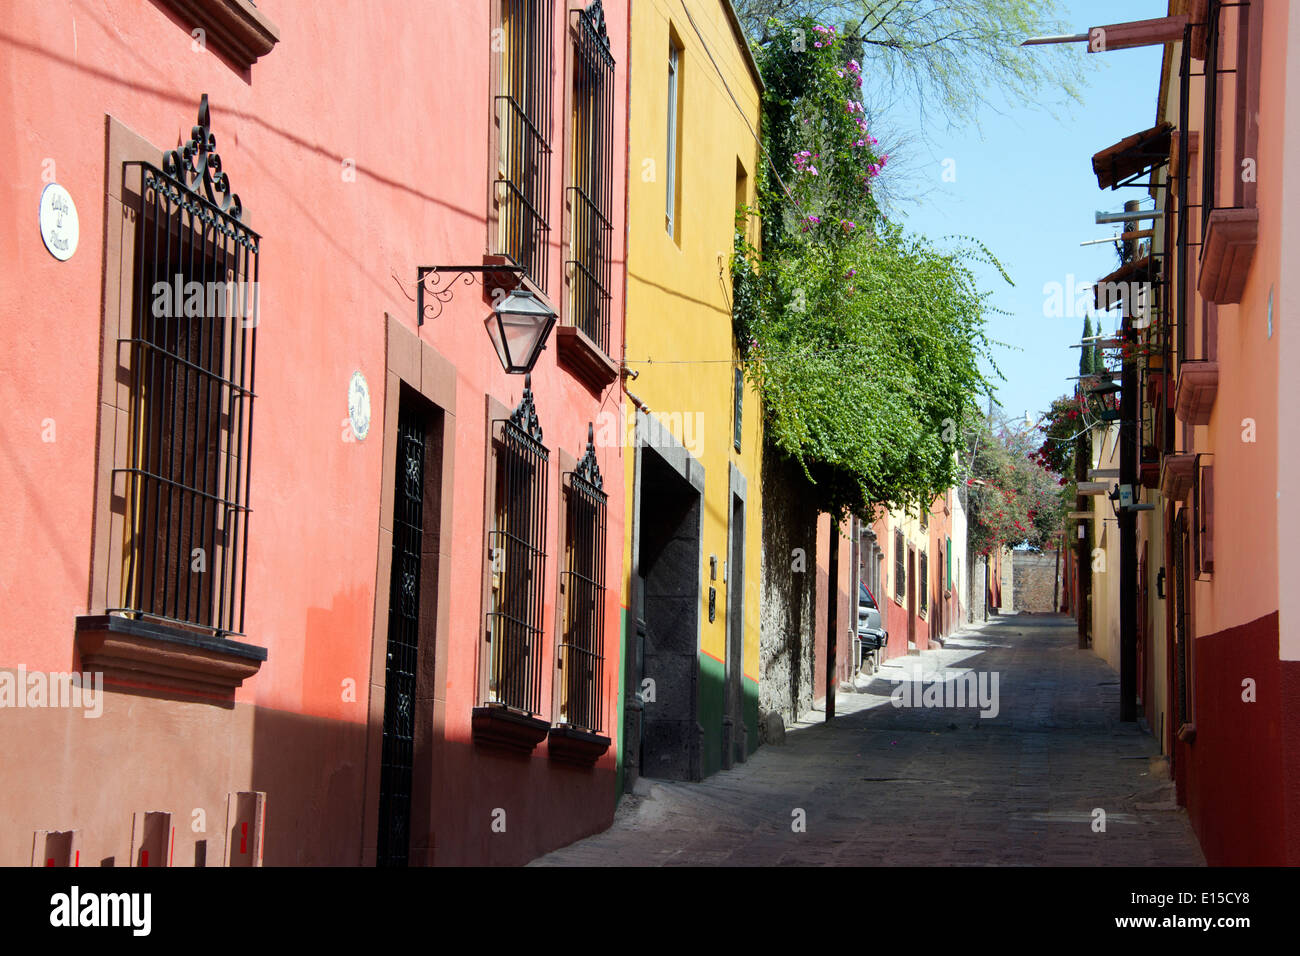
x: 1132, y: 155
x: 1109, y: 291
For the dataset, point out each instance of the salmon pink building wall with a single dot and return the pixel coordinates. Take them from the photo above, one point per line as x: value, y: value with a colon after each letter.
x: 1235, y: 761
x: 359, y: 148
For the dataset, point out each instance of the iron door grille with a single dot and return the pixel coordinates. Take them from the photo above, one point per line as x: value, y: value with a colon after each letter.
x: 517, y: 554
x: 899, y: 565
x: 924, y: 586
x: 523, y: 109
x: 191, y: 354
x: 403, y: 641
x: 1179, y: 561
x: 581, y: 657
x: 590, y: 195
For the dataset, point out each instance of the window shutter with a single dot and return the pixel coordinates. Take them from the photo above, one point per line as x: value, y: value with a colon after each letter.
x: 738, y: 402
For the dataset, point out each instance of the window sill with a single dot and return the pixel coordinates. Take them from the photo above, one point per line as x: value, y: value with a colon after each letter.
x: 573, y: 746
x: 499, y: 728
x: 235, y: 27
x: 145, y: 654
x: 1198, y: 384
x: 1226, y: 255
x: 1176, y: 476
x: 583, y: 358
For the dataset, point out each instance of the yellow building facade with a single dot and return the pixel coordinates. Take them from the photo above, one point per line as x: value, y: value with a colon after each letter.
x: 693, y: 531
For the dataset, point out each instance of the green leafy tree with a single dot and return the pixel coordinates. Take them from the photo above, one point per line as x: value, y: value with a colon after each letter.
x: 1014, y: 498
x: 864, y: 342
x: 954, y: 54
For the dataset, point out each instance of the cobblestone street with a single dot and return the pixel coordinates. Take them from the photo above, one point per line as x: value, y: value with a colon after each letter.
x: 930, y: 786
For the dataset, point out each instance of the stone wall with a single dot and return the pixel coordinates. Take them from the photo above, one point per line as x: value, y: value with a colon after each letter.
x: 789, y: 592
x: 1034, y: 581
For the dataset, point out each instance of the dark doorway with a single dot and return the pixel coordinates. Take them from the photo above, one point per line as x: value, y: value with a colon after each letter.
x: 411, y: 595
x: 733, y: 714
x: 668, y: 621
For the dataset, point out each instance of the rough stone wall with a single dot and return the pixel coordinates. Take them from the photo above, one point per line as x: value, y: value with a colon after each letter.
x: 789, y: 592
x: 1034, y: 578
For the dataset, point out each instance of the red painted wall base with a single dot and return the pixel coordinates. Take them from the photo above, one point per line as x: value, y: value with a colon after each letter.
x: 1240, y: 776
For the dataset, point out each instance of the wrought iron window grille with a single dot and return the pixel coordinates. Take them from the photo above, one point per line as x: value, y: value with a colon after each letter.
x: 590, y: 193
x: 523, y: 116
x: 184, y: 546
x: 580, y: 658
x: 517, y: 560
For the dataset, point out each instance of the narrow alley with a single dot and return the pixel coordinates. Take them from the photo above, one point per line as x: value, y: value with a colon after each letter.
x: 886, y: 785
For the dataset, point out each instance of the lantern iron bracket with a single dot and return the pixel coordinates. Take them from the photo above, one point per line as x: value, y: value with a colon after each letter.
x: 442, y: 291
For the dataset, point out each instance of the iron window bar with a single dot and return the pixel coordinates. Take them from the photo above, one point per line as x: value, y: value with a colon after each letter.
x: 1181, y: 303
x: 1210, y: 131
x: 183, y: 551
x: 524, y: 129
x: 581, y: 653
x: 517, y: 555
x: 591, y: 193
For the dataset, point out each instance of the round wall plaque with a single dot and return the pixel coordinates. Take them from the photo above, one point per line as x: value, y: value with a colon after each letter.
x: 359, y: 405
x: 60, y: 229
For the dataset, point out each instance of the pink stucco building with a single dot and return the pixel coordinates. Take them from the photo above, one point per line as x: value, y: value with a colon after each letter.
x: 343, y: 574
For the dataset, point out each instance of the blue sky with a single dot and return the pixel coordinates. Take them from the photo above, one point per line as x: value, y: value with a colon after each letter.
x: 1024, y: 186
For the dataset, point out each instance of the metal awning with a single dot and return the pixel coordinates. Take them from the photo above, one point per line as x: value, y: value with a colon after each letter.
x: 1132, y: 156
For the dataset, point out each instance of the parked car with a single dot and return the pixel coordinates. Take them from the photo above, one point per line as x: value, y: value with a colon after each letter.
x: 871, y: 631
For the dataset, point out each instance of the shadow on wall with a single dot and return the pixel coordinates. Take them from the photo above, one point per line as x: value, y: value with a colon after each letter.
x: 486, y: 808
x: 312, y: 765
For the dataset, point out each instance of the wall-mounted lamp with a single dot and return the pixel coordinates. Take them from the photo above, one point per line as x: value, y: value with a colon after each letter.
x: 519, y: 323
x: 519, y: 326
